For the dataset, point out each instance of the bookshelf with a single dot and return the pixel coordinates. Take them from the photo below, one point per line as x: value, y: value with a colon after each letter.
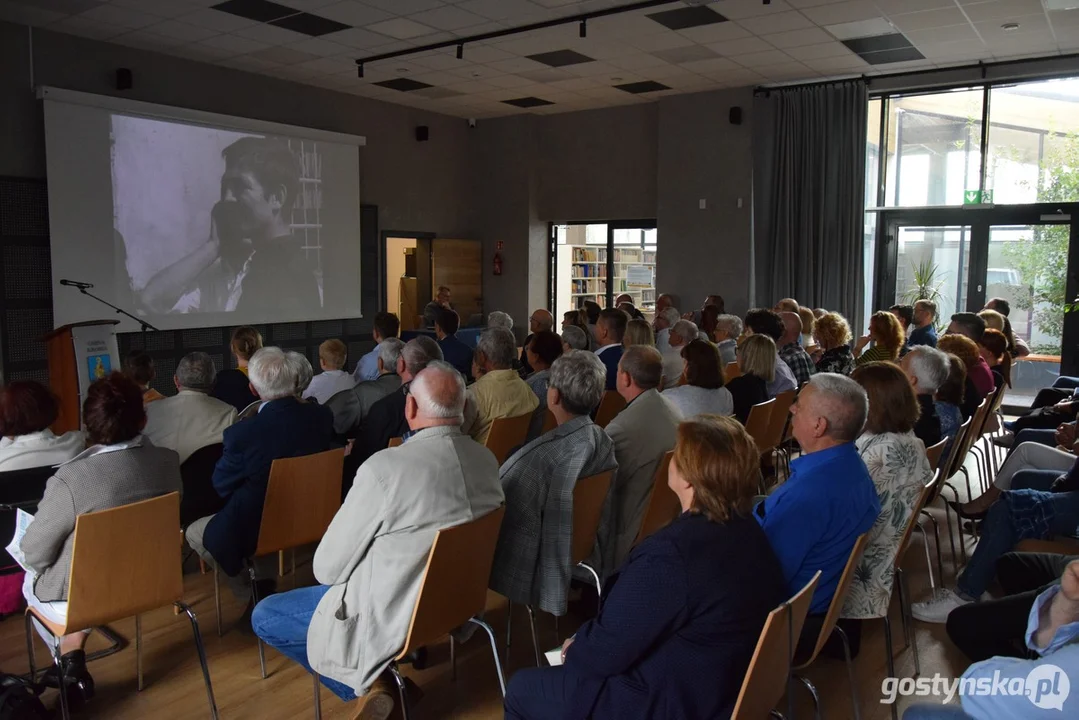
x: 581, y: 265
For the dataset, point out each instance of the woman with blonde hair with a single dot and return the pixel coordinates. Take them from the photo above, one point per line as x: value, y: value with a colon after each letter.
x: 832, y: 334
x: 979, y: 382
x: 638, y: 332
x: 757, y: 362
x: 887, y: 336
x: 809, y: 320
x: 992, y: 319
x: 232, y: 386
x: 708, y: 581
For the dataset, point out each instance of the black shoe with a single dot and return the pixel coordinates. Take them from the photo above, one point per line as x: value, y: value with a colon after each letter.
x: 958, y: 507
x: 77, y: 681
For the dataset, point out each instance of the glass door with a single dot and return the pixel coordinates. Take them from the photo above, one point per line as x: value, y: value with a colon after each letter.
x: 633, y: 248
x: 933, y: 263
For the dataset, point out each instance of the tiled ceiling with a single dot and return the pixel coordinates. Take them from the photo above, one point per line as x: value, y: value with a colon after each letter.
x: 627, y: 58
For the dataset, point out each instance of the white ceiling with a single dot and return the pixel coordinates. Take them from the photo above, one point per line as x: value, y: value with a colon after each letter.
x: 786, y: 41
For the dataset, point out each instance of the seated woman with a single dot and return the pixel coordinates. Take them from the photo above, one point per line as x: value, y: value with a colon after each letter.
x: 887, y: 336
x: 708, y: 581
x: 139, y: 366
x: 542, y: 350
x: 709, y: 320
x: 979, y: 382
x: 993, y: 347
x: 896, y: 461
x: 832, y: 334
x: 119, y: 467
x: 701, y: 391
x: 757, y: 361
x: 949, y: 399
x: 27, y: 409
x: 232, y: 386
x: 638, y: 332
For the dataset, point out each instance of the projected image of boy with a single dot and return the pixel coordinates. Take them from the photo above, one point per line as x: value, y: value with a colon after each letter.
x: 251, y: 260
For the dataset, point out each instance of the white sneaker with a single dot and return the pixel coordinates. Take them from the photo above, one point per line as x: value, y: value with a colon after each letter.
x: 937, y: 609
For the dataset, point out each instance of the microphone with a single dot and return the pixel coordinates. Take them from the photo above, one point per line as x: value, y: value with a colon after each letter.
x: 77, y: 284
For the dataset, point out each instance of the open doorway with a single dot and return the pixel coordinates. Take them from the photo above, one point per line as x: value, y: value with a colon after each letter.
x: 401, y: 276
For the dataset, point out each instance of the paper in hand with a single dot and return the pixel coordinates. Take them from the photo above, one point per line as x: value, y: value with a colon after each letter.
x: 22, y: 521
x: 554, y: 657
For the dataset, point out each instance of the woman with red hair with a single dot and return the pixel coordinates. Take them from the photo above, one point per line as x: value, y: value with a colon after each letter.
x: 27, y: 409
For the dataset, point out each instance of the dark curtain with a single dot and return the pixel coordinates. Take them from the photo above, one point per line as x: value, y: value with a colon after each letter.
x: 809, y: 187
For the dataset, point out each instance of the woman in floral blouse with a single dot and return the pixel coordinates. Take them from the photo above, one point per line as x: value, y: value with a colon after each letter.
x: 900, y: 470
x: 832, y: 334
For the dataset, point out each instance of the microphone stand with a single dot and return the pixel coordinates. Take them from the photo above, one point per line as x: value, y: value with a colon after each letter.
x: 145, y: 325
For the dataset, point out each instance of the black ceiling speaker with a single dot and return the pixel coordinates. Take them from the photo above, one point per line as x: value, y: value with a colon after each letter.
x: 736, y: 115
x: 124, y: 79
x: 423, y: 133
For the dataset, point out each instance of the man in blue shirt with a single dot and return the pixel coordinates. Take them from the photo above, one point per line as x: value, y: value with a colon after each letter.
x: 814, y: 519
x: 924, y: 332
x: 454, y: 351
x: 386, y: 326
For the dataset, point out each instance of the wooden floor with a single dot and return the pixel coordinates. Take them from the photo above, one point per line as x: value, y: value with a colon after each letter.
x: 174, y: 687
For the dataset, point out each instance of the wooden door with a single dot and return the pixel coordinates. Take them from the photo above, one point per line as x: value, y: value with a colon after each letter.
x: 458, y: 264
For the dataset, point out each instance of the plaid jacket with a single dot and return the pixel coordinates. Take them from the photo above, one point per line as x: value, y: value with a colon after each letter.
x: 798, y: 361
x: 532, y: 560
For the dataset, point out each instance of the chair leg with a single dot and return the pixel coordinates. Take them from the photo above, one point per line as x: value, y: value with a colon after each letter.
x: 64, y: 713
x: 898, y: 581
x: 281, y: 563
x: 202, y: 656
x: 138, y: 652
x: 30, y: 646
x: 116, y: 643
x: 453, y: 659
x: 936, y: 539
x: 891, y: 657
x: 217, y: 601
x: 904, y: 597
x: 928, y: 557
x: 509, y: 625
x: 535, y: 640
x: 850, y: 673
x: 254, y: 601
x: 400, y: 689
x: 595, y: 577
x: 318, y: 697
x: 812, y: 691
x: 202, y: 566
x: 494, y: 652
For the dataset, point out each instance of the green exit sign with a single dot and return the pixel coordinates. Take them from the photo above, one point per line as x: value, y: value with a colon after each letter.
x: 978, y: 197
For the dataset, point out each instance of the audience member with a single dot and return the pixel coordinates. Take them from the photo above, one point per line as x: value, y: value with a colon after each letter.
x: 756, y: 362
x: 696, y: 315
x: 787, y: 305
x: 791, y: 352
x: 454, y: 351
x: 532, y: 564
x: 927, y: 369
x: 539, y: 321
x: 905, y: 315
x: 709, y: 315
x: 949, y: 399
x: 993, y: 348
x: 499, y: 392
x: 766, y: 322
x: 728, y: 330
x: 543, y: 349
x: 638, y: 332
x: 969, y: 324
x: 191, y: 419
x: 809, y: 321
x: 349, y: 628
x: 887, y: 338
x: 663, y: 302
x: 689, y: 602
x: 622, y: 299
x: 119, y: 467
x: 701, y: 391
x: 630, y: 310
x: 642, y: 434
x: 1016, y: 345
x: 979, y: 378
x: 816, y: 516
x: 681, y: 334
x: 386, y: 418
x: 440, y: 302
x: 283, y: 427
x: 139, y: 366
x: 233, y: 386
x: 385, y: 326
x: 574, y: 338
x: 499, y: 319
x: 333, y: 378
x: 350, y: 407
x: 992, y: 319
x: 925, y: 330
x: 818, y: 313
x: 301, y: 367
x: 575, y: 318
x: 665, y: 320
x: 27, y: 409
x: 833, y: 342
x: 896, y: 461
x: 591, y: 311
x: 610, y: 329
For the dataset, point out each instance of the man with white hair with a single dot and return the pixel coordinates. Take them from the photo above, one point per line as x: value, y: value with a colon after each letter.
x: 350, y: 407
x: 665, y: 320
x: 927, y: 369
x: 682, y: 333
x: 573, y: 338
x: 191, y: 419
x: 532, y: 563
x: 370, y: 563
x: 283, y: 427
x: 541, y: 320
x: 814, y: 519
x: 728, y: 330
x: 499, y: 392
x: 499, y: 319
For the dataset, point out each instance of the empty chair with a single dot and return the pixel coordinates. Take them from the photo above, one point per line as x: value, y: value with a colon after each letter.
x: 759, y: 421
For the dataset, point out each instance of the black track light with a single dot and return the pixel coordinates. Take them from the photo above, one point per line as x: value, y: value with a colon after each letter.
x: 359, y: 70
x: 461, y: 52
x: 584, y: 28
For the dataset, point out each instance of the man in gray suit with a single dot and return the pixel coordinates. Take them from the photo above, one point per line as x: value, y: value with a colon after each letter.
x: 372, y: 558
x: 349, y: 407
x: 642, y: 434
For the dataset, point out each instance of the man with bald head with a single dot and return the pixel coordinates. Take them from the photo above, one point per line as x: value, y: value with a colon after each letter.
x: 814, y: 519
x: 539, y: 321
x: 663, y: 302
x: 348, y: 628
x: 791, y: 352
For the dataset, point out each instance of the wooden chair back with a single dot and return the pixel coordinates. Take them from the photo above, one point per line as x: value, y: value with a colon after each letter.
x: 934, y: 452
x: 396, y: 442
x: 609, y: 407
x: 663, y: 505
x: 302, y: 496
x: 972, y: 435
x: 507, y: 434
x: 549, y: 423
x: 919, y: 503
x: 730, y: 371
x: 454, y: 585
x: 766, y: 678
x: 589, y: 495
x: 960, y: 437
x: 840, y: 597
x: 759, y: 421
x: 777, y: 421
x: 1059, y: 545
x: 124, y: 561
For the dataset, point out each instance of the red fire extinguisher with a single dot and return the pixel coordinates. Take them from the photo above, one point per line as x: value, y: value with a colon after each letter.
x: 498, y: 260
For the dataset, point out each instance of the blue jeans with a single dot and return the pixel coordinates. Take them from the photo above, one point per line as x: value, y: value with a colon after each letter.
x: 539, y: 694
x: 999, y: 536
x: 282, y: 620
x: 1034, y: 479
x: 1035, y: 435
x: 925, y: 711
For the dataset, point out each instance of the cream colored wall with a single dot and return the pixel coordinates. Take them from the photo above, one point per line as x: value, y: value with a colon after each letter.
x: 395, y: 268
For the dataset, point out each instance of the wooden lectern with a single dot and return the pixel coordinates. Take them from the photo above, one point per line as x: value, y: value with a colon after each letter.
x: 67, y: 378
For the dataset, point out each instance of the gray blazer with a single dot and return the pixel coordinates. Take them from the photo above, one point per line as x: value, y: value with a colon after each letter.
x: 374, y: 553
x: 87, y: 484
x: 350, y: 407
x: 642, y: 433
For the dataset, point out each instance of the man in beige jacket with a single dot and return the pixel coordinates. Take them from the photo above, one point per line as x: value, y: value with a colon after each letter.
x: 372, y: 558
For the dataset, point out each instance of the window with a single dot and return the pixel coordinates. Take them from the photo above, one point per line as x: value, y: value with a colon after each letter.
x: 585, y: 255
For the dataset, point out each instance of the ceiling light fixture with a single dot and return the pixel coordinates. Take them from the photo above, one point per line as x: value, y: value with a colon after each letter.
x: 584, y: 28
x: 359, y: 70
x: 1010, y: 27
x: 461, y: 51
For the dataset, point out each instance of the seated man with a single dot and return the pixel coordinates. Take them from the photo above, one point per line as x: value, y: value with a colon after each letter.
x: 333, y: 379
x: 351, y: 406
x: 386, y: 326
x: 1051, y: 631
x: 499, y: 392
x: 665, y: 320
x: 454, y: 351
x: 925, y: 330
x: 283, y: 427
x: 532, y: 563
x: 927, y: 369
x: 793, y: 354
x: 610, y: 329
x: 540, y: 320
x: 682, y: 333
x: 642, y: 435
x: 371, y: 560
x: 766, y: 322
x: 191, y: 419
x: 814, y: 519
